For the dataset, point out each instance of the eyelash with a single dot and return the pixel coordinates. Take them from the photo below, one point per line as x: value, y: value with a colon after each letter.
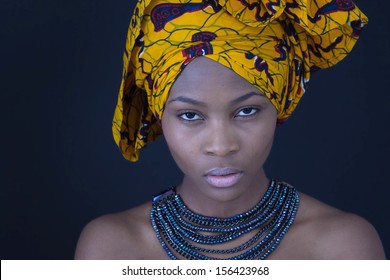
x: 251, y: 108
x: 188, y: 120
x: 196, y: 114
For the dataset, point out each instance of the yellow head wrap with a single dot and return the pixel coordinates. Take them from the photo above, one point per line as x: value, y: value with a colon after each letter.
x: 274, y: 45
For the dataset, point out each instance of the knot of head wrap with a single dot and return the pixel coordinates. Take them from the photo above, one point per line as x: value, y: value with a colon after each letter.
x: 274, y: 45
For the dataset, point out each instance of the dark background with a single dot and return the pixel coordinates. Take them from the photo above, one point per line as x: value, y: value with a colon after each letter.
x: 61, y: 63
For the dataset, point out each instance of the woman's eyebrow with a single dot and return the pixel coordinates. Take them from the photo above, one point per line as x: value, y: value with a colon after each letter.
x: 192, y: 101
x: 245, y: 97
x: 188, y: 100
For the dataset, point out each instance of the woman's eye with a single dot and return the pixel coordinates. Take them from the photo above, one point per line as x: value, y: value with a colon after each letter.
x: 246, y: 112
x: 189, y: 116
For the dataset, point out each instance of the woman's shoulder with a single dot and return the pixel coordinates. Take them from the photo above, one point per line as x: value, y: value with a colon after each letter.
x: 122, y: 235
x: 329, y: 233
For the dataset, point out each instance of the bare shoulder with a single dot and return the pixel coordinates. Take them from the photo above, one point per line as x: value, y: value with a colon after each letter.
x: 334, y: 234
x: 122, y: 235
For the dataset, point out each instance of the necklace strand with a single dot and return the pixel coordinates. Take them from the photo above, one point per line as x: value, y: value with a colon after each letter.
x: 181, y: 231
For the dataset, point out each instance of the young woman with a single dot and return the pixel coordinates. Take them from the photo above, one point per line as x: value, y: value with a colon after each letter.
x: 215, y: 78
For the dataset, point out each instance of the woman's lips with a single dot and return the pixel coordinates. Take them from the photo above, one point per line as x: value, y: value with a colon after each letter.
x: 223, y: 177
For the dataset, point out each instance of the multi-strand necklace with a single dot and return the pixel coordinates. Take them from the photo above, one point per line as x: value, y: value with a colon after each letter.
x: 184, y: 233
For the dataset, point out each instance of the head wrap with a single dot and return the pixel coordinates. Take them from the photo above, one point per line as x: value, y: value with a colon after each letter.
x: 274, y: 45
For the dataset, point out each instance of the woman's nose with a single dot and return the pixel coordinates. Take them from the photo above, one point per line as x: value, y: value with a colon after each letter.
x: 220, y: 140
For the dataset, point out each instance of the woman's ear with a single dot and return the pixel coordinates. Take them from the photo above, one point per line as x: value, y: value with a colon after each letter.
x: 159, y: 122
x: 159, y: 119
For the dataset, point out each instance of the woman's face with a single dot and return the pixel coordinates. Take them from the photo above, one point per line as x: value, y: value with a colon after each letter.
x: 219, y: 129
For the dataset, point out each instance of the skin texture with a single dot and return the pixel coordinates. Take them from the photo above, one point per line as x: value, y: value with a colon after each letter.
x: 220, y: 132
x: 216, y: 119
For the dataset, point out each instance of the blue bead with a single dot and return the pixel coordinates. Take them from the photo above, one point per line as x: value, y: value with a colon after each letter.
x: 175, y: 225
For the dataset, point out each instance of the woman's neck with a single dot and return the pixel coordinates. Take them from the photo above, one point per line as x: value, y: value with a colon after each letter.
x: 223, y: 202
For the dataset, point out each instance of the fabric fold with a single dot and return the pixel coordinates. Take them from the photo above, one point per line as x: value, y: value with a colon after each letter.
x: 274, y: 45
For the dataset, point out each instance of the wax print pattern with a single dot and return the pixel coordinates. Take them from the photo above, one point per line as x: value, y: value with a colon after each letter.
x: 274, y: 45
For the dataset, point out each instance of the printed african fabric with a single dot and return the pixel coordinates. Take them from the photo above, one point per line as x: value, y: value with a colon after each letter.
x: 274, y: 45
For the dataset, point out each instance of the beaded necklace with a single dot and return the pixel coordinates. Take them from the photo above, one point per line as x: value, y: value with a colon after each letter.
x: 181, y: 231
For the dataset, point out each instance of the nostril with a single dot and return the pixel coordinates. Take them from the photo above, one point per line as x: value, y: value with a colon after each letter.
x: 220, y: 139
x: 221, y: 149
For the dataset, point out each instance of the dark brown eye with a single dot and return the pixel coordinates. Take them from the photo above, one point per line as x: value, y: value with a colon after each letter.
x: 246, y: 112
x: 189, y: 116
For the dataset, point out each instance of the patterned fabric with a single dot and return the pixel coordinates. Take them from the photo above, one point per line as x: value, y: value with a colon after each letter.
x: 274, y: 45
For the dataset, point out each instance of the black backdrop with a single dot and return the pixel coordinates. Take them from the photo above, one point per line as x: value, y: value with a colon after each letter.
x: 61, y: 64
